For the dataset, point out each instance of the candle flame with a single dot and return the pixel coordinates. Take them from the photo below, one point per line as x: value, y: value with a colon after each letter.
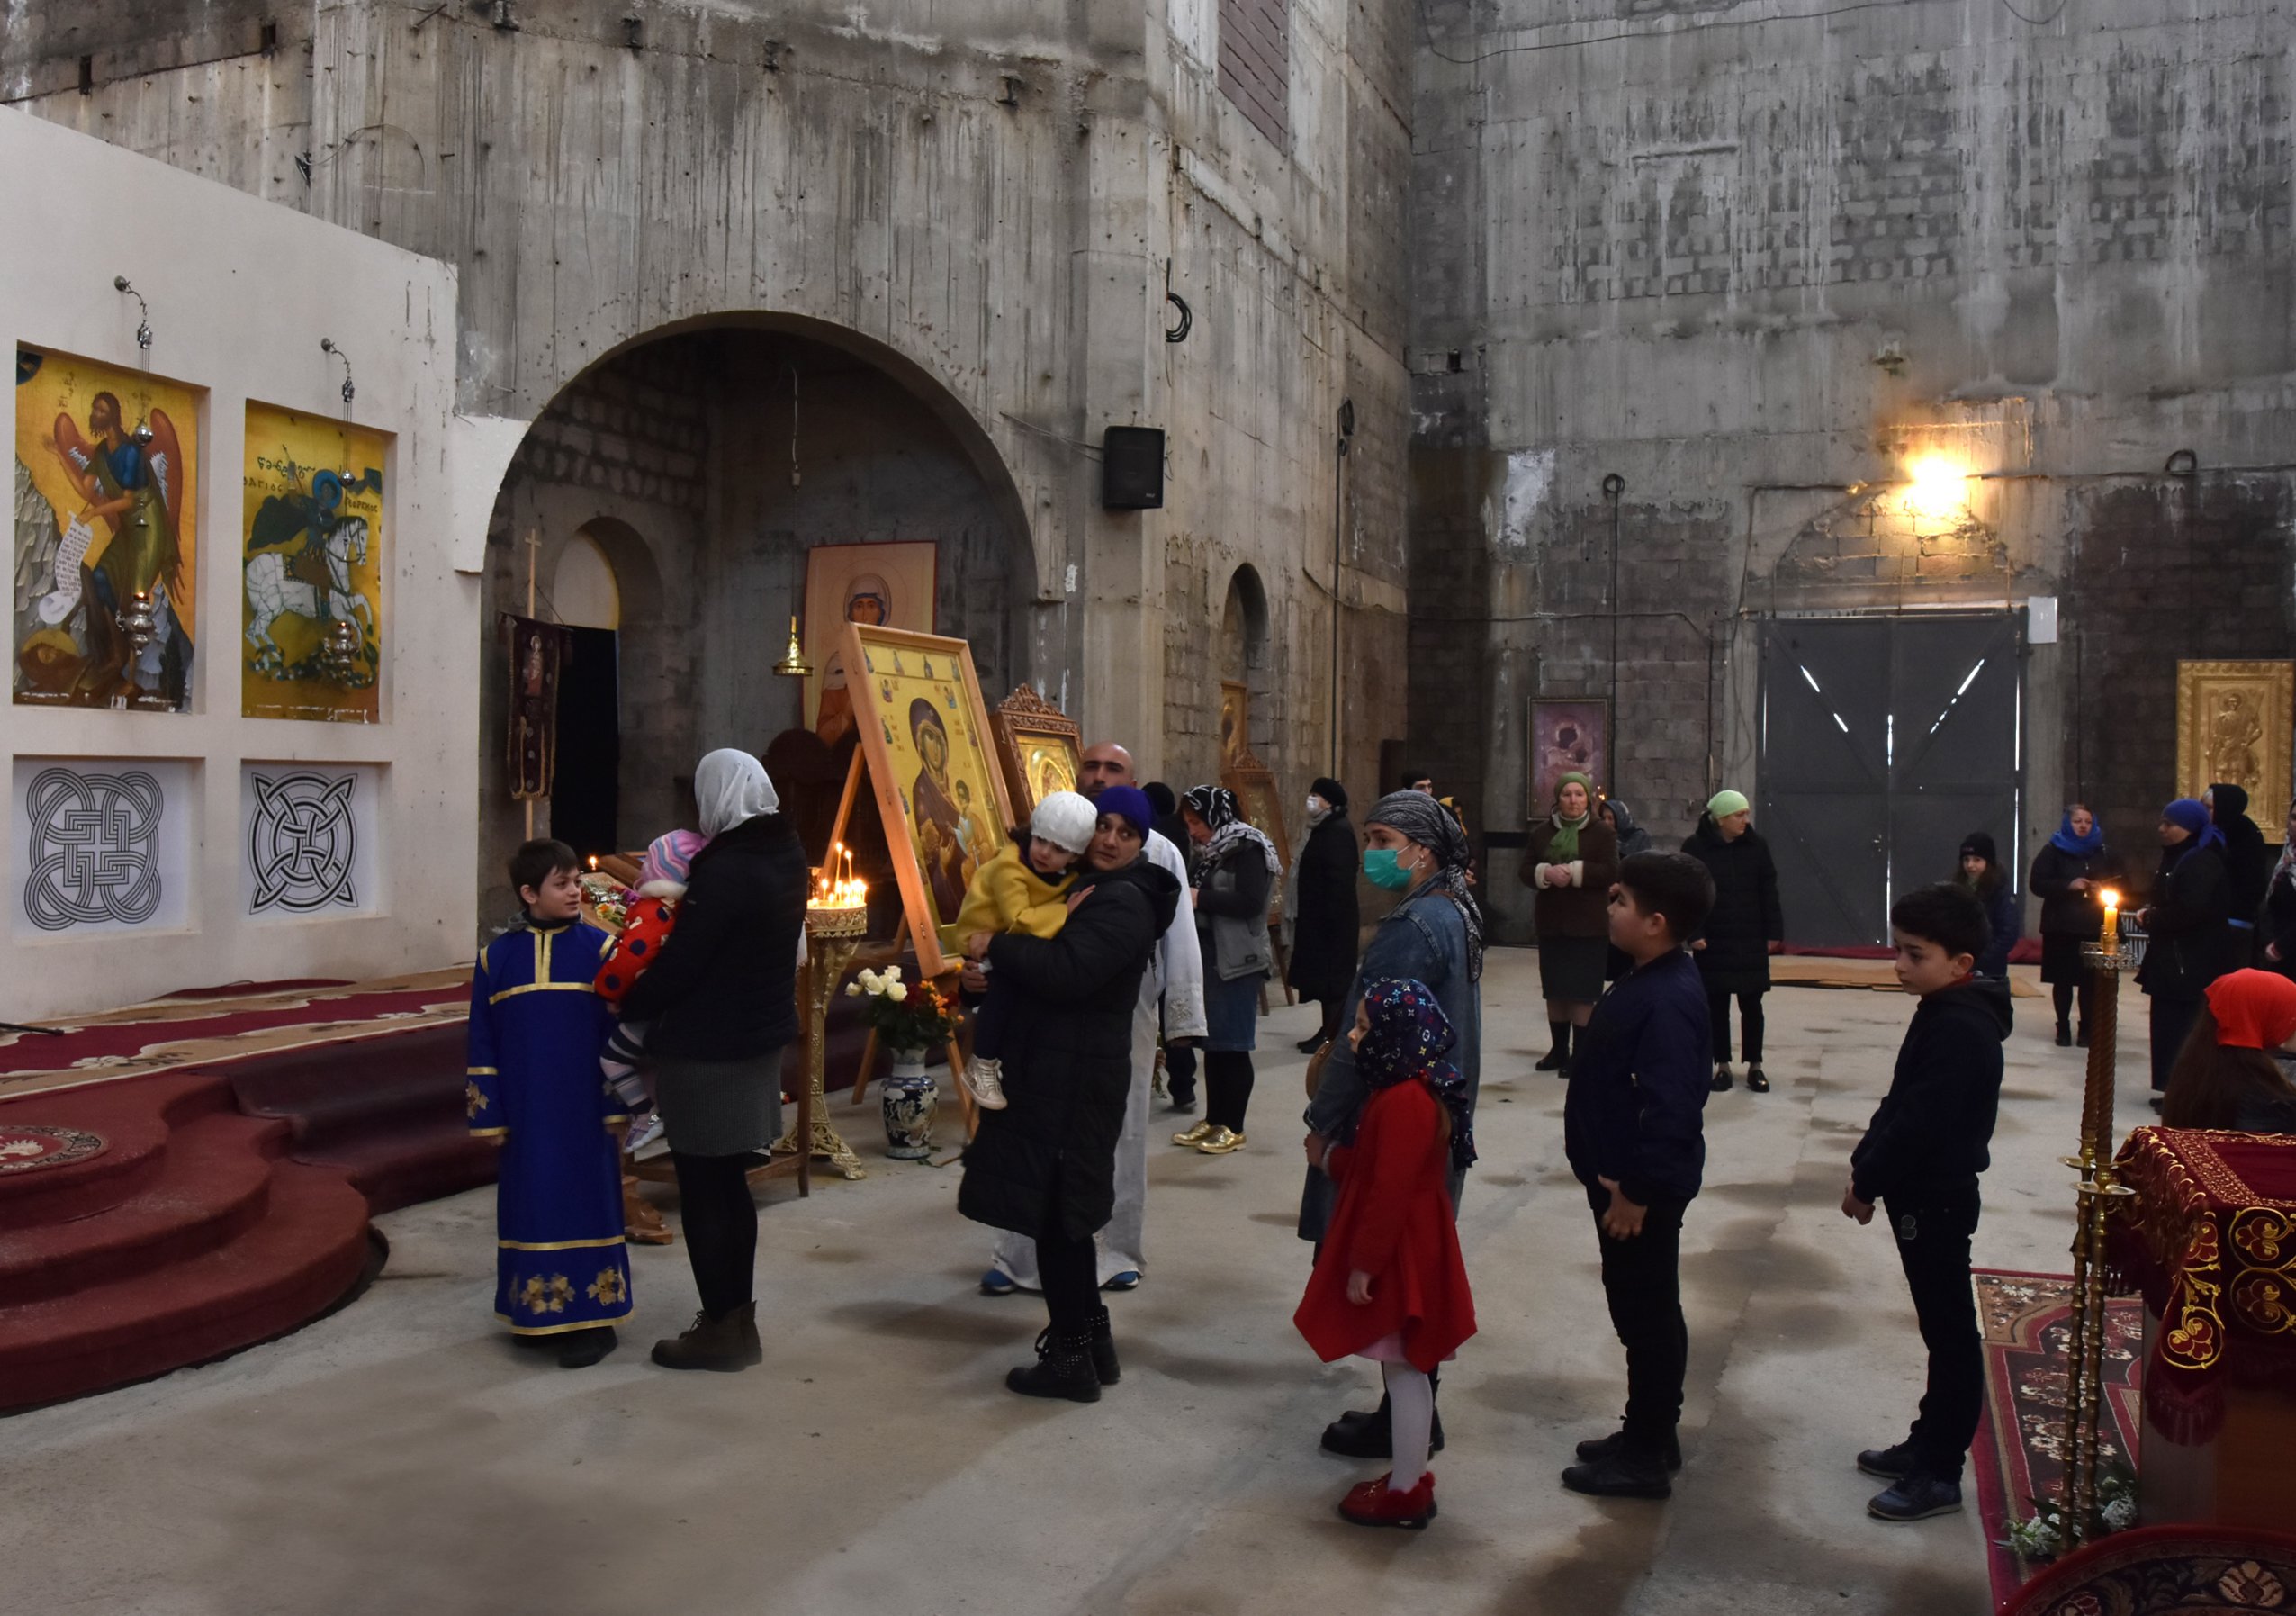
x: 2111, y: 898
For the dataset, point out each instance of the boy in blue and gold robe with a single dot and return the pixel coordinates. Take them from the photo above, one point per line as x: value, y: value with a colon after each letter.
x: 534, y: 1087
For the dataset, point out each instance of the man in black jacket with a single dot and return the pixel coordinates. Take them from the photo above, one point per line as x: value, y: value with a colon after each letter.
x: 1921, y: 1157
x: 1633, y: 1127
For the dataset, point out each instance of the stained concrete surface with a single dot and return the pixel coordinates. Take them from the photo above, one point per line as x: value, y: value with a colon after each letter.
x: 400, y: 1455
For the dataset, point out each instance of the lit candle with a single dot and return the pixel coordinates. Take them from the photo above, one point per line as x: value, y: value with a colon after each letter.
x: 2111, y: 941
x: 593, y: 860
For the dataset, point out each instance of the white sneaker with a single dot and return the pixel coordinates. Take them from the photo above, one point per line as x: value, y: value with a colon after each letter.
x: 983, y: 1080
x: 647, y: 1129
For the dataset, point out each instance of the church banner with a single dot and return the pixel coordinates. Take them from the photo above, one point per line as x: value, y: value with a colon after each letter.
x: 311, y: 572
x: 106, y: 542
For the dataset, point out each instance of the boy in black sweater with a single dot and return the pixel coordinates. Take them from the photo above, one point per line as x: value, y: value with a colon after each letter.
x: 1920, y: 1159
x: 1633, y: 1127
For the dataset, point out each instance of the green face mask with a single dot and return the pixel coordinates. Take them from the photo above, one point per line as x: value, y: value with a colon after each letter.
x: 1381, y: 870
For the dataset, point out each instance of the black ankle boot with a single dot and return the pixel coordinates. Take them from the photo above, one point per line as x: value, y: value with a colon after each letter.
x: 1558, y: 1058
x: 1105, y: 1367
x: 1063, y: 1368
x: 1371, y: 1434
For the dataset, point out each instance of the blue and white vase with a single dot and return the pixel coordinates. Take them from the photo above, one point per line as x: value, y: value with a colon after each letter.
x: 910, y: 1096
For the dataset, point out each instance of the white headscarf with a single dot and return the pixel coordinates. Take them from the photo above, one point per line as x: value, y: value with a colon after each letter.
x: 731, y: 787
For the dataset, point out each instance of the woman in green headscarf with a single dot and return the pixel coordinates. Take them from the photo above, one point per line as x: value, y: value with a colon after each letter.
x: 1572, y: 860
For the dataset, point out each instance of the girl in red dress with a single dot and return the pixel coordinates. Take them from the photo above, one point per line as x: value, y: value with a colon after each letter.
x: 1389, y: 1284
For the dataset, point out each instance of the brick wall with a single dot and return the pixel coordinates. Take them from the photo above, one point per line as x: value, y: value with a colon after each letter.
x: 637, y: 427
x: 1255, y: 63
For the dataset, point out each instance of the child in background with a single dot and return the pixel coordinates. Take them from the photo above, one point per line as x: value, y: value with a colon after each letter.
x: 1634, y: 1128
x: 561, y: 1270
x: 1982, y: 874
x: 661, y: 882
x: 1921, y: 1157
x: 1023, y: 888
x: 2225, y: 1075
x: 1389, y: 1283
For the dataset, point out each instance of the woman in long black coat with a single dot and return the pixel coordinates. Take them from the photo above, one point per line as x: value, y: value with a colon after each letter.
x: 1319, y: 909
x: 1044, y: 1165
x: 2186, y: 917
x: 2279, y: 922
x: 1734, y: 953
x: 2070, y: 875
x: 2247, y: 863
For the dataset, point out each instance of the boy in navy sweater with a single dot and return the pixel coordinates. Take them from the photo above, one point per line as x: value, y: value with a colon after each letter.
x: 1632, y: 1124
x: 1920, y: 1159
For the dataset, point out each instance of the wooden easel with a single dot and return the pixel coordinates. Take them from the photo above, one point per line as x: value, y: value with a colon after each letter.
x: 877, y: 956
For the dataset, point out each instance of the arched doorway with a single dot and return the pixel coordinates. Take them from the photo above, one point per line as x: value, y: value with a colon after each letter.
x: 684, y: 483
x: 1244, y: 654
x: 585, y: 799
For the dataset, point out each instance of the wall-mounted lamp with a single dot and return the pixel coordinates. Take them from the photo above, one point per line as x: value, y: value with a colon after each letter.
x: 326, y: 346
x: 143, y: 312
x: 1938, y: 487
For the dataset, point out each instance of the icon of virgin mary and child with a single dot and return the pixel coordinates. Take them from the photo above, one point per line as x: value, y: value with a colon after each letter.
x: 952, y: 839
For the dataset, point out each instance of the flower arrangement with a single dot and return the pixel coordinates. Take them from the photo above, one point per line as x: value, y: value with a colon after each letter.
x: 2041, y: 1536
x: 902, y: 1016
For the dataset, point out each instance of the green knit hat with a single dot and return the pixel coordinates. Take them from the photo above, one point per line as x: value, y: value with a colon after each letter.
x: 1722, y: 804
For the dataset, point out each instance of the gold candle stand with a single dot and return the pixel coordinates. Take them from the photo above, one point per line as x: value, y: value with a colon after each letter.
x: 831, y: 937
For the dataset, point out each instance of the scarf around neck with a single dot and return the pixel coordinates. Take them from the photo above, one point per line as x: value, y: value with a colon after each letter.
x: 1564, y: 847
x: 1216, y: 806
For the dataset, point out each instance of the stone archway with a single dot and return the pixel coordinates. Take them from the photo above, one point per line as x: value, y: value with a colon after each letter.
x: 705, y: 462
x: 1245, y: 652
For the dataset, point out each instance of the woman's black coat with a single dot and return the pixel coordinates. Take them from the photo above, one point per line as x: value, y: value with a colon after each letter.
x: 2280, y: 923
x: 1746, y: 918
x: 2247, y: 862
x: 1068, y: 1058
x: 2066, y: 913
x: 1323, y: 933
x: 725, y: 985
x: 2191, y: 945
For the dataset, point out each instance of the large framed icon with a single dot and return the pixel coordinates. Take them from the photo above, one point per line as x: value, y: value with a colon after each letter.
x: 1042, y: 748
x: 2233, y: 729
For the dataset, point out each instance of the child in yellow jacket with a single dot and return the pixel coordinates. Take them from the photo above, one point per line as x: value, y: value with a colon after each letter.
x: 1023, y: 888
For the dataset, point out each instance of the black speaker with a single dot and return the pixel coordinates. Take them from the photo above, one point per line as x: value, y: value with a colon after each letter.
x: 1131, y: 468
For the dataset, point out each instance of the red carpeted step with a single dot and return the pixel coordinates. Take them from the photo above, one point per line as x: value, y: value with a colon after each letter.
x: 134, y: 1117
x: 301, y: 1256
x: 212, y: 1182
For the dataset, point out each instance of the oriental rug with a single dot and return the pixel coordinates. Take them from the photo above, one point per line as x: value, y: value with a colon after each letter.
x: 2166, y: 1571
x: 2024, y: 1320
x: 211, y: 1025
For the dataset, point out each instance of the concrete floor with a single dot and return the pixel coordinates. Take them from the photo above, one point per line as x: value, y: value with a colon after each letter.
x: 401, y: 1457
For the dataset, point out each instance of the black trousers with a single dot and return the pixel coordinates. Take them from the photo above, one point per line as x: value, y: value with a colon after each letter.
x: 1642, y: 1279
x: 2064, y: 993
x: 720, y: 1222
x: 1750, y: 1018
x: 1069, y: 1270
x: 2173, y: 1017
x: 1933, y: 1235
x: 1180, y: 1072
x: 1228, y: 1088
x: 1332, y: 1009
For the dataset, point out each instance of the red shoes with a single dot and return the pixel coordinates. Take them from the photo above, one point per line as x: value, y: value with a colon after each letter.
x: 1375, y: 1503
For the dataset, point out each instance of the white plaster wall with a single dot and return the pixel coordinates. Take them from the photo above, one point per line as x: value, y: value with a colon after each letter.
x: 240, y: 292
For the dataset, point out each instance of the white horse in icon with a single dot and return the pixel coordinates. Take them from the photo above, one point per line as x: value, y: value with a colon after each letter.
x: 274, y: 594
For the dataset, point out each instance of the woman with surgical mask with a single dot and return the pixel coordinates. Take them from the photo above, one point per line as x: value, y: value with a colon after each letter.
x: 1320, y: 917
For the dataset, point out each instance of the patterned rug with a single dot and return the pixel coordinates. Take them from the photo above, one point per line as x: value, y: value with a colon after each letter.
x: 2167, y: 1571
x: 2017, y: 1457
x: 195, y: 1029
x: 30, y: 1146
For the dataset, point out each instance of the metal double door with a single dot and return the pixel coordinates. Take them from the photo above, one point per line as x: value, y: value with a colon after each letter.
x: 1885, y: 741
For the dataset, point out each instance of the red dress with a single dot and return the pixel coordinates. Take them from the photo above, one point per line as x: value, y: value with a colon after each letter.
x: 1393, y: 1222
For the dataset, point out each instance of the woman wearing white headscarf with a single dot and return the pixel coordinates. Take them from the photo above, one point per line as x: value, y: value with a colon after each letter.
x: 722, y: 1001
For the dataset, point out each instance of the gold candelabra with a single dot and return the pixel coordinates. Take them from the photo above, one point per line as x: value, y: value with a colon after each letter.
x: 2107, y: 958
x: 835, y: 923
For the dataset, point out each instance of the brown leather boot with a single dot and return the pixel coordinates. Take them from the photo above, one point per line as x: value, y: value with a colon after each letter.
x: 717, y: 1343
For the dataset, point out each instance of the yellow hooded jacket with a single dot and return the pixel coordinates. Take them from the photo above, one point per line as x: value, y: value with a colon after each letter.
x: 1009, y: 895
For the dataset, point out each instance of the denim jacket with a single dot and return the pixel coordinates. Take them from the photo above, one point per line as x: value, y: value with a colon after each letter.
x: 1424, y: 939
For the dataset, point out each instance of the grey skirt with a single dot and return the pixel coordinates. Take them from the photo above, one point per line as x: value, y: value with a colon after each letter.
x: 719, y: 1107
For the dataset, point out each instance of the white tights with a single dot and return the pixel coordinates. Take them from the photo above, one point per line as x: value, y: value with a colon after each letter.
x: 1411, y: 1400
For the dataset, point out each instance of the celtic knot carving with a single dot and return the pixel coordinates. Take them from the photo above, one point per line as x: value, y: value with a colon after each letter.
x: 93, y: 854
x: 302, y: 841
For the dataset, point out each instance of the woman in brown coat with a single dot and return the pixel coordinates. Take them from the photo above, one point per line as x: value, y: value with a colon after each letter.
x: 1572, y: 860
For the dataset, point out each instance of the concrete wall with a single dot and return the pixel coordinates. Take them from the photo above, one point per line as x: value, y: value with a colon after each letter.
x: 241, y: 294
x: 1754, y: 266
x: 988, y: 202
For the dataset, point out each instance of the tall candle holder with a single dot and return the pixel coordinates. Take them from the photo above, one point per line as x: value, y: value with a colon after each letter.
x: 835, y: 920
x: 2107, y: 958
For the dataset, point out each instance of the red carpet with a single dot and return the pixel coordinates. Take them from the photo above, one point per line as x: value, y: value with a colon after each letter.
x: 2167, y: 1571
x: 2016, y: 1460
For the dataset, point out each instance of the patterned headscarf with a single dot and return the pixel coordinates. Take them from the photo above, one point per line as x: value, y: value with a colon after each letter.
x: 670, y: 858
x: 1408, y: 1037
x: 1420, y: 819
x: 1216, y: 806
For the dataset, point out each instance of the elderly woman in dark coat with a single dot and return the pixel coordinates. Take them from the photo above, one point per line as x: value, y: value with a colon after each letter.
x: 1046, y: 1165
x: 1319, y: 909
x: 1746, y: 922
x: 723, y: 1001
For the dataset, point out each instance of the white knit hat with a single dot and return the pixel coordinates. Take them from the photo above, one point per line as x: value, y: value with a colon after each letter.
x: 1065, y: 820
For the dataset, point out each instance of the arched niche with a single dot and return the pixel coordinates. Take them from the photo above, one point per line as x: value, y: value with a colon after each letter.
x: 1244, y: 650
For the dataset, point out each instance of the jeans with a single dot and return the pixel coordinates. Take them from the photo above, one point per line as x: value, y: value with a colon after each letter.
x: 720, y: 1222
x: 1750, y: 1016
x: 1933, y: 1232
x: 1642, y: 1279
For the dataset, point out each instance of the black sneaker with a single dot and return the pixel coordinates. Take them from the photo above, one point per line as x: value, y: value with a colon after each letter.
x: 1366, y: 1433
x: 1890, y: 1464
x: 1599, y: 1449
x: 1721, y: 1084
x: 580, y: 1348
x: 1623, y: 1475
x: 1916, y: 1497
x: 1756, y: 1083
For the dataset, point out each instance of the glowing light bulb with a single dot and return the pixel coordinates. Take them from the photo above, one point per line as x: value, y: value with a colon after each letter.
x: 1936, y: 488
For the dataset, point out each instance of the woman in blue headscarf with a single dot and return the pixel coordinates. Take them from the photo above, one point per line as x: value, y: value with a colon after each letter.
x: 2070, y: 875
x: 2191, y: 943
